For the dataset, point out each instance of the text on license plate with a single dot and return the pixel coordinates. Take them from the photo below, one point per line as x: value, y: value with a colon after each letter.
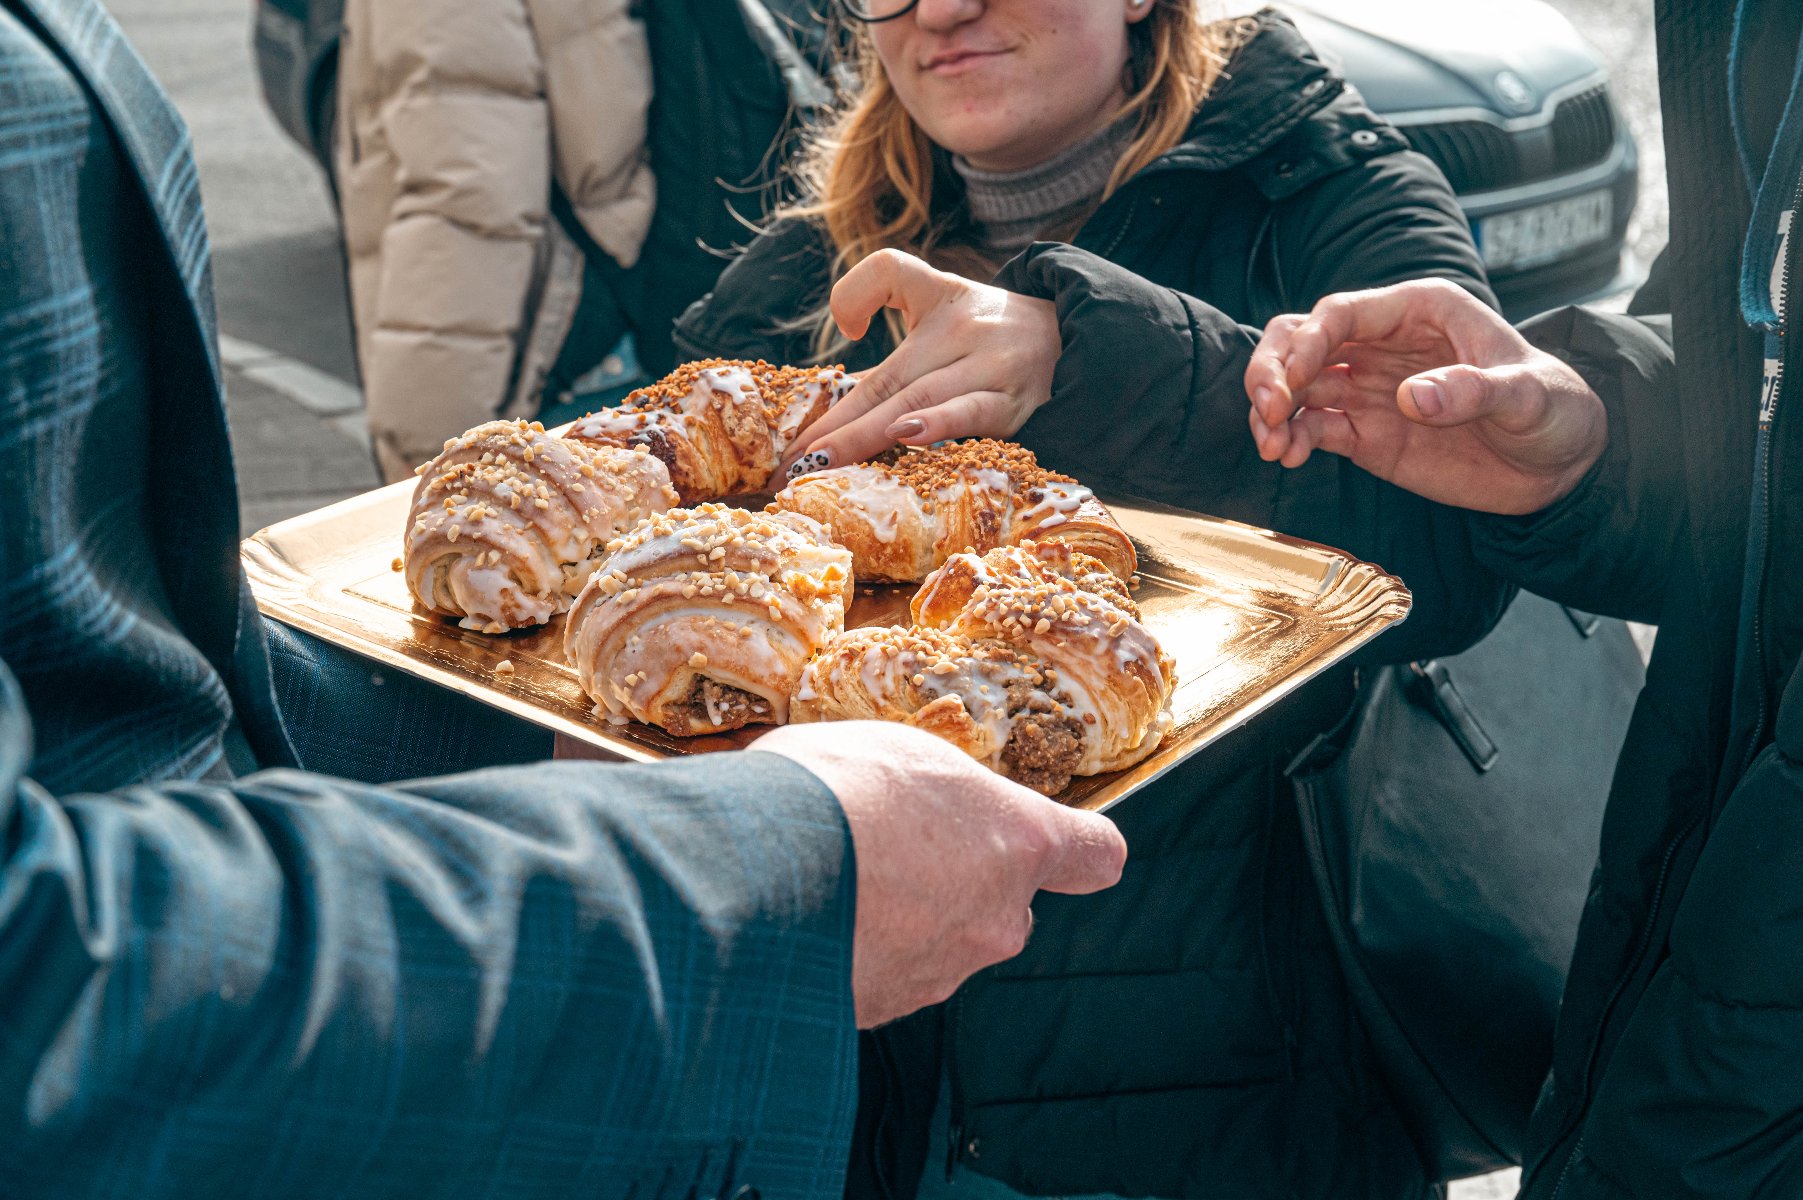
x: 1545, y: 232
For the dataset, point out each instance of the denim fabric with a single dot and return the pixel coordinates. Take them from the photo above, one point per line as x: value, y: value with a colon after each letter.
x: 354, y: 718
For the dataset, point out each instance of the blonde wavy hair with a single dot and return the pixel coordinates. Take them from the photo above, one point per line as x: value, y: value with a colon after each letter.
x: 867, y: 176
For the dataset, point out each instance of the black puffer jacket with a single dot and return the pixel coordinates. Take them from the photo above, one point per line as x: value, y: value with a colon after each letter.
x: 1678, y: 1061
x: 1187, y: 1034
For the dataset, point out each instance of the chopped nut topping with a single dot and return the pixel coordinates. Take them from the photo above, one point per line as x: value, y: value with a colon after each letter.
x: 946, y: 466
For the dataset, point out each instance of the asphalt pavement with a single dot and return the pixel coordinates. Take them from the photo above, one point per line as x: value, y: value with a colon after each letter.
x: 278, y: 266
x: 296, y: 411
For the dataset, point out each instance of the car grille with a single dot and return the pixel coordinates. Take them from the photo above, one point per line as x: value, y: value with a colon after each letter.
x: 1583, y: 129
x: 1477, y: 156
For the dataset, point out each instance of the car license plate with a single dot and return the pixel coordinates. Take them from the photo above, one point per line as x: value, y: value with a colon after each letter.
x: 1529, y: 237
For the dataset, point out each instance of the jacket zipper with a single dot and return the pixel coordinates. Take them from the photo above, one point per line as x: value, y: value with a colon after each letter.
x: 1764, y: 483
x: 1757, y: 633
x: 1283, y: 1000
x: 1120, y: 235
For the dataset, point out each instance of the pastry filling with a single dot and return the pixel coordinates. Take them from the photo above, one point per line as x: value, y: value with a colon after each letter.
x: 717, y: 707
x: 655, y: 440
x: 1045, y: 742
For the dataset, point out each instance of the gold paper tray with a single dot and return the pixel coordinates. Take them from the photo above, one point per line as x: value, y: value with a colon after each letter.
x: 1249, y: 615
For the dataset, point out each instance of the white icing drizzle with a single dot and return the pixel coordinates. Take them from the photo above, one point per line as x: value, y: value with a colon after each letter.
x: 794, y: 416
x: 738, y: 598
x: 504, y: 521
x: 878, y: 498
x: 1057, y: 503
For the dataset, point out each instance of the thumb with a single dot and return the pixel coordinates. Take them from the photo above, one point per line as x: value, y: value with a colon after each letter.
x: 884, y: 279
x: 1459, y: 395
x: 1087, y: 854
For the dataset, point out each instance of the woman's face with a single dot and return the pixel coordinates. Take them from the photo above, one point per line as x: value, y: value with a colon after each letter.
x: 1009, y: 83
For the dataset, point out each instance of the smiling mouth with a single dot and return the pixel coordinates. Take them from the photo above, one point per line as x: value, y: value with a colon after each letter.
x: 958, y: 61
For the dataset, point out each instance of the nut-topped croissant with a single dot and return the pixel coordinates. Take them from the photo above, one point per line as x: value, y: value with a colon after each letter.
x: 701, y: 620
x: 719, y: 425
x: 1030, y: 658
x: 999, y: 706
x: 902, y: 519
x: 504, y: 522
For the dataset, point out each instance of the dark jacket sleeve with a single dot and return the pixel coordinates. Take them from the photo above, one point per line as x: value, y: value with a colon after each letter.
x: 568, y: 979
x: 738, y: 318
x: 1608, y: 546
x: 1149, y: 393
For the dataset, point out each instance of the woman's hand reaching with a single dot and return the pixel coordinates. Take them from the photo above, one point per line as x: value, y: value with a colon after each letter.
x: 977, y: 362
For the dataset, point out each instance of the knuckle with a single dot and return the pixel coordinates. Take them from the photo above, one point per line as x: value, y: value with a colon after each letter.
x: 1465, y: 386
x: 1464, y: 378
x: 1034, y: 842
x: 878, y: 388
x: 919, y: 395
x: 1001, y: 414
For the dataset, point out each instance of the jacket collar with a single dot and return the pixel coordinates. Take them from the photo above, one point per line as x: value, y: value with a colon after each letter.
x: 1272, y: 84
x: 154, y: 139
x: 1267, y: 116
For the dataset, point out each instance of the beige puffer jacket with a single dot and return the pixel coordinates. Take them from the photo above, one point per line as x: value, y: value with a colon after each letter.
x: 454, y: 117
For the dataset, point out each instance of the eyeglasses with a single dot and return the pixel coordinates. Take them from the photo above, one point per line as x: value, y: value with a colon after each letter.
x: 872, y: 11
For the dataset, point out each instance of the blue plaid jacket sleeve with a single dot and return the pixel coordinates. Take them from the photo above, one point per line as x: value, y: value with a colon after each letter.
x: 555, y: 981
x: 559, y: 981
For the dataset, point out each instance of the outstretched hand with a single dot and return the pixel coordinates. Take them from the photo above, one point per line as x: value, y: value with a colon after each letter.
x: 950, y: 855
x: 1423, y: 385
x: 977, y: 362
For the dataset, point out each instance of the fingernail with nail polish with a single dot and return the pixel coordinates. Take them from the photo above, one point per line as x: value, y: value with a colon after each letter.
x: 906, y: 428
x: 1430, y: 401
x: 813, y: 460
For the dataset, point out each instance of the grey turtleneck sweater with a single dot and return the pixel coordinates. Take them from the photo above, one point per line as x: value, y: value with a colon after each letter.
x: 1009, y: 209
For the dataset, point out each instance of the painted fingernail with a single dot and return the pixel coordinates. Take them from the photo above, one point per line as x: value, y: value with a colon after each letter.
x: 813, y: 460
x: 1430, y: 400
x: 907, y: 427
